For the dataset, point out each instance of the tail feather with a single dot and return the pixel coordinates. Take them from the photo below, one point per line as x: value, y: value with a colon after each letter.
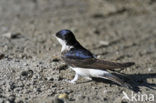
x: 116, y: 80
x: 128, y: 64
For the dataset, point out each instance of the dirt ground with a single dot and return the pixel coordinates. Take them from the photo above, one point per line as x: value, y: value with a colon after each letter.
x: 116, y: 30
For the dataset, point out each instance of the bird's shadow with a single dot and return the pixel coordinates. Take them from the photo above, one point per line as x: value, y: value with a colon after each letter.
x: 135, y: 80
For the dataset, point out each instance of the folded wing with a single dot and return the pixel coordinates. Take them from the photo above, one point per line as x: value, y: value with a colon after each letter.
x: 96, y: 63
x: 85, y: 59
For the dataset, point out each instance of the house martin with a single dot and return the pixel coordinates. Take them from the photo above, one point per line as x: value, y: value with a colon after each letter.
x: 84, y: 63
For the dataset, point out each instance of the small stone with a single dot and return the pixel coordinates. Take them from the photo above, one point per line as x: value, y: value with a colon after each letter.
x: 149, y: 69
x: 124, y: 102
x: 105, y: 99
x: 56, y: 59
x: 98, y: 56
x: 26, y: 74
x: 12, y: 98
x: 63, y: 96
x: 50, y: 79
x: 25, y: 64
x: 57, y: 100
x: 104, y: 43
x: 97, y: 32
x: 11, y: 35
x: 2, y: 56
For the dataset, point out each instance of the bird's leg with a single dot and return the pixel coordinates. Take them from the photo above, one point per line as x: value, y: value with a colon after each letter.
x: 73, y: 81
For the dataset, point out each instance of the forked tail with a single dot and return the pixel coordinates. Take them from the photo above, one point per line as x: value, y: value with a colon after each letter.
x: 116, y: 80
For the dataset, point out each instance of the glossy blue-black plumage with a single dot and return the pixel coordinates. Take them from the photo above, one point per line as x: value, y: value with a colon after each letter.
x: 67, y: 36
x: 64, y: 32
x: 78, y: 54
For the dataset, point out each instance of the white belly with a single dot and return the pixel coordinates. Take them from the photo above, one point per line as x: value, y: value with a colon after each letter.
x: 89, y: 72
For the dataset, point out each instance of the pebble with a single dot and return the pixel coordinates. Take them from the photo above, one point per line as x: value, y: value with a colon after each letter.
x: 49, y: 78
x: 56, y: 59
x: 26, y: 74
x: 2, y: 56
x: 103, y: 43
x: 57, y: 100
x: 11, y: 35
x: 105, y: 99
x: 25, y: 64
x: 12, y: 98
x: 149, y: 69
x: 63, y: 96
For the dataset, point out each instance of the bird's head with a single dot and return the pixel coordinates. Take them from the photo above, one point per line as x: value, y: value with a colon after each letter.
x: 66, y: 38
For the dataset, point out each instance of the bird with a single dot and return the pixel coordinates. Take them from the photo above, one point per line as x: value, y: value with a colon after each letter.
x: 84, y: 63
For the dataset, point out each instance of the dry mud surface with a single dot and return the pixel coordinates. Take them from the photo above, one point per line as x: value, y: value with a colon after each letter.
x: 117, y: 30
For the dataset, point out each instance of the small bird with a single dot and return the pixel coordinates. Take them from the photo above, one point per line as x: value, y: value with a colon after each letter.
x: 84, y: 63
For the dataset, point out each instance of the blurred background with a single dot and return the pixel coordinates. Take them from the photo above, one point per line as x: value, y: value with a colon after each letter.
x: 118, y: 30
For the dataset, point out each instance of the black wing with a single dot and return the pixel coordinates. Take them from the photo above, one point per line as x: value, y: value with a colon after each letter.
x: 85, y: 59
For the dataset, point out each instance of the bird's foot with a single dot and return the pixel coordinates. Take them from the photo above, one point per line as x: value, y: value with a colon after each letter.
x: 73, y: 81
x: 88, y: 78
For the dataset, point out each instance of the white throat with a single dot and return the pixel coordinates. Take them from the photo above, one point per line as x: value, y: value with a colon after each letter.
x: 64, y: 45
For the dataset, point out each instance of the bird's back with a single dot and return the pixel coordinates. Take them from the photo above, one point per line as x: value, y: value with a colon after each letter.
x: 77, y: 53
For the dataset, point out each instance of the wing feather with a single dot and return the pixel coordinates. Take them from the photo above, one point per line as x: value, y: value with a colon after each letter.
x: 96, y: 63
x: 84, y: 59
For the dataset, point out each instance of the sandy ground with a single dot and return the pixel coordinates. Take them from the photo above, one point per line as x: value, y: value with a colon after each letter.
x: 117, y: 30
